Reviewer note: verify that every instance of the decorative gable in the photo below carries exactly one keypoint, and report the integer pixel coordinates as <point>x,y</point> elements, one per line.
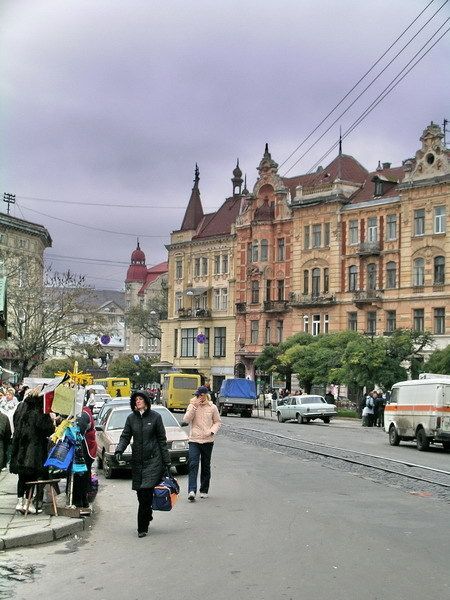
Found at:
<point>432,159</point>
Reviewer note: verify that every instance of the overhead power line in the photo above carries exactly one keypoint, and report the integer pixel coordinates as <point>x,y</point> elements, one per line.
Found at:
<point>106,204</point>
<point>367,87</point>
<point>85,258</point>
<point>336,106</point>
<point>387,90</point>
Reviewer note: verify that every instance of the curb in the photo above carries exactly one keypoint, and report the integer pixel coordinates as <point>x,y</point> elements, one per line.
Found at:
<point>40,535</point>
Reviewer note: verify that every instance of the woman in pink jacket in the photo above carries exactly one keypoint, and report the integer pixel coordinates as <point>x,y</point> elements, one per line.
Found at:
<point>204,420</point>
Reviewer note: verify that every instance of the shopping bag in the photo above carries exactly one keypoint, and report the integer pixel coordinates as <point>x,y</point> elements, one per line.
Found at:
<point>61,455</point>
<point>165,494</point>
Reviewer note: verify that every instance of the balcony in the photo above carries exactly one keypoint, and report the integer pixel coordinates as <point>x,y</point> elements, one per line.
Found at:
<point>241,308</point>
<point>367,297</point>
<point>194,313</point>
<point>305,300</point>
<point>369,248</point>
<point>275,306</point>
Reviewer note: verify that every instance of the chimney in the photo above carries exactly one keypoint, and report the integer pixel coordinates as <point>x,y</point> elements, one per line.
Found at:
<point>386,165</point>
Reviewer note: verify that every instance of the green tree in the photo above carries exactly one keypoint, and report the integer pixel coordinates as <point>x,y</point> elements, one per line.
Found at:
<point>140,373</point>
<point>66,363</point>
<point>406,346</point>
<point>439,362</point>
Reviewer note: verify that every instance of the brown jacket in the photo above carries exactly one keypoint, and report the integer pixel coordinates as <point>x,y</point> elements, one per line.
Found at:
<point>204,421</point>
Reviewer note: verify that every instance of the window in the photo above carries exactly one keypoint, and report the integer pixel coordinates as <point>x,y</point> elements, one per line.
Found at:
<point>279,331</point>
<point>305,281</point>
<point>372,229</point>
<point>281,253</point>
<point>255,251</point>
<point>264,250</point>
<point>315,282</point>
<point>352,321</point>
<point>326,280</point>
<point>418,319</point>
<point>378,188</point>
<point>188,342</point>
<point>249,253</point>
<point>315,325</point>
<point>305,323</point>
<point>419,272</point>
<point>178,301</point>
<point>306,239</point>
<point>326,234</point>
<point>419,221</point>
<point>216,299</point>
<point>353,232</point>
<point>2,268</point>
<point>178,268</point>
<point>197,267</point>
<point>268,290</point>
<point>254,332</point>
<point>224,299</point>
<point>280,289</point>
<point>220,341</point>
<point>326,323</point>
<point>267,334</point>
<point>372,322</point>
<point>255,291</point>
<point>391,320</point>
<point>439,321</point>
<point>391,227</point>
<point>439,219</point>
<point>217,264</point>
<point>224,263</point>
<point>316,236</point>
<point>391,275</point>
<point>206,344</point>
<point>439,270</point>
<point>372,276</point>
<point>353,278</point>
<point>204,266</point>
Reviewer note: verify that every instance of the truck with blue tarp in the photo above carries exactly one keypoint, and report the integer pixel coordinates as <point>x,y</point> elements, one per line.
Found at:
<point>237,396</point>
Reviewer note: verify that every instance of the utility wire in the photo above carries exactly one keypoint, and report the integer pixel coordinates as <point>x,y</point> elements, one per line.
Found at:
<point>358,82</point>
<point>105,204</point>
<point>140,235</point>
<point>387,90</point>
<point>365,89</point>
<point>96,260</point>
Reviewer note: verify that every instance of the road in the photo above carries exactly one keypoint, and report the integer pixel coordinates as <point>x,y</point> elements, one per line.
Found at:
<point>275,527</point>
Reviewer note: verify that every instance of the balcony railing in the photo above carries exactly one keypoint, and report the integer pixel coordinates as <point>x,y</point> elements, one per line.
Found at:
<point>275,305</point>
<point>369,248</point>
<point>304,300</point>
<point>194,313</point>
<point>367,296</point>
<point>241,307</point>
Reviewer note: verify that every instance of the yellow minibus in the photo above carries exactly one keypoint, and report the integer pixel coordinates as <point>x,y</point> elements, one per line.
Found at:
<point>116,387</point>
<point>178,389</point>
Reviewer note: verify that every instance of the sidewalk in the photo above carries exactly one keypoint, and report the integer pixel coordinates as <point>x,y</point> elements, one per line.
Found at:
<point>17,530</point>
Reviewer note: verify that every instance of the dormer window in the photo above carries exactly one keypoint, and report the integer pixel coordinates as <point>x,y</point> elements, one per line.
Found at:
<point>379,188</point>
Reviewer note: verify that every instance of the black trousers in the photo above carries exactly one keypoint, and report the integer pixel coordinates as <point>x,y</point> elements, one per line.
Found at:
<point>200,454</point>
<point>145,512</point>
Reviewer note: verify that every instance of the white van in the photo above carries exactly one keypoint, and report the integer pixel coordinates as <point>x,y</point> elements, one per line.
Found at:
<point>419,409</point>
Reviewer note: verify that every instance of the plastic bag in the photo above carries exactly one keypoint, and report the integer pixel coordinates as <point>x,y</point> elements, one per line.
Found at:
<point>61,455</point>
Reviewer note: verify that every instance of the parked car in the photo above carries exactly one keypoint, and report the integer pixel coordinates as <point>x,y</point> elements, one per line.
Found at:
<point>125,401</point>
<point>305,408</point>
<point>98,400</point>
<point>110,427</point>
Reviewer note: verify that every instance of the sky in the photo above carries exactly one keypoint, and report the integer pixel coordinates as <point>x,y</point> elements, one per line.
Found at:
<point>107,105</point>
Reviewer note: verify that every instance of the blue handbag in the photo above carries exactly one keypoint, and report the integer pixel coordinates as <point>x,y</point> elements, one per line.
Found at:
<point>165,494</point>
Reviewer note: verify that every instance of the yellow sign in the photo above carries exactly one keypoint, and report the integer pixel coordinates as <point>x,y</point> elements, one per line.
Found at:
<point>80,378</point>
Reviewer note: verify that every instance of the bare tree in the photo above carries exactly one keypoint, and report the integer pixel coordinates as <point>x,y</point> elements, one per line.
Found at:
<point>145,319</point>
<point>48,312</point>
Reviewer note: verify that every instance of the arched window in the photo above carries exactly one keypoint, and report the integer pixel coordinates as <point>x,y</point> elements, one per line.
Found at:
<point>372,276</point>
<point>353,278</point>
<point>255,251</point>
<point>439,270</point>
<point>264,250</point>
<point>306,281</point>
<point>326,280</point>
<point>391,274</point>
<point>419,272</point>
<point>315,282</point>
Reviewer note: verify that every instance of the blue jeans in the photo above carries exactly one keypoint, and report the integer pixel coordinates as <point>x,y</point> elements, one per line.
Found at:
<point>200,453</point>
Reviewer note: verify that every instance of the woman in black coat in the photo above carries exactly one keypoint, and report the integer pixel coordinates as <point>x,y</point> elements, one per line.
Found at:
<point>149,456</point>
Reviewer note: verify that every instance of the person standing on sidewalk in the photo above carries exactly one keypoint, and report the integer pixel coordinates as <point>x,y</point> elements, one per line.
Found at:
<point>5,440</point>
<point>204,420</point>
<point>149,455</point>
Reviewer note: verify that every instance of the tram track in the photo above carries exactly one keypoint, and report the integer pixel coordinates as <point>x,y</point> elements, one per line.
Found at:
<point>405,469</point>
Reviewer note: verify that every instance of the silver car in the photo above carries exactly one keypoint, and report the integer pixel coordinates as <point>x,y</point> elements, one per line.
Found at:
<point>305,408</point>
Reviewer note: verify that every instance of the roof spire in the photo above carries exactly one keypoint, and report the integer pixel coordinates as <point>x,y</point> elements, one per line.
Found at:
<point>236,180</point>
<point>196,175</point>
<point>194,211</point>
<point>340,140</point>
<point>245,191</point>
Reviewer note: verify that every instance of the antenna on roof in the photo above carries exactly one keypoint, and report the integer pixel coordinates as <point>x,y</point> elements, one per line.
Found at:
<point>340,140</point>
<point>445,131</point>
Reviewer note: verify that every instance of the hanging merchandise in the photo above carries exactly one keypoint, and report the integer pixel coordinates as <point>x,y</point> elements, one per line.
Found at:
<point>61,455</point>
<point>64,400</point>
<point>60,430</point>
<point>79,464</point>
